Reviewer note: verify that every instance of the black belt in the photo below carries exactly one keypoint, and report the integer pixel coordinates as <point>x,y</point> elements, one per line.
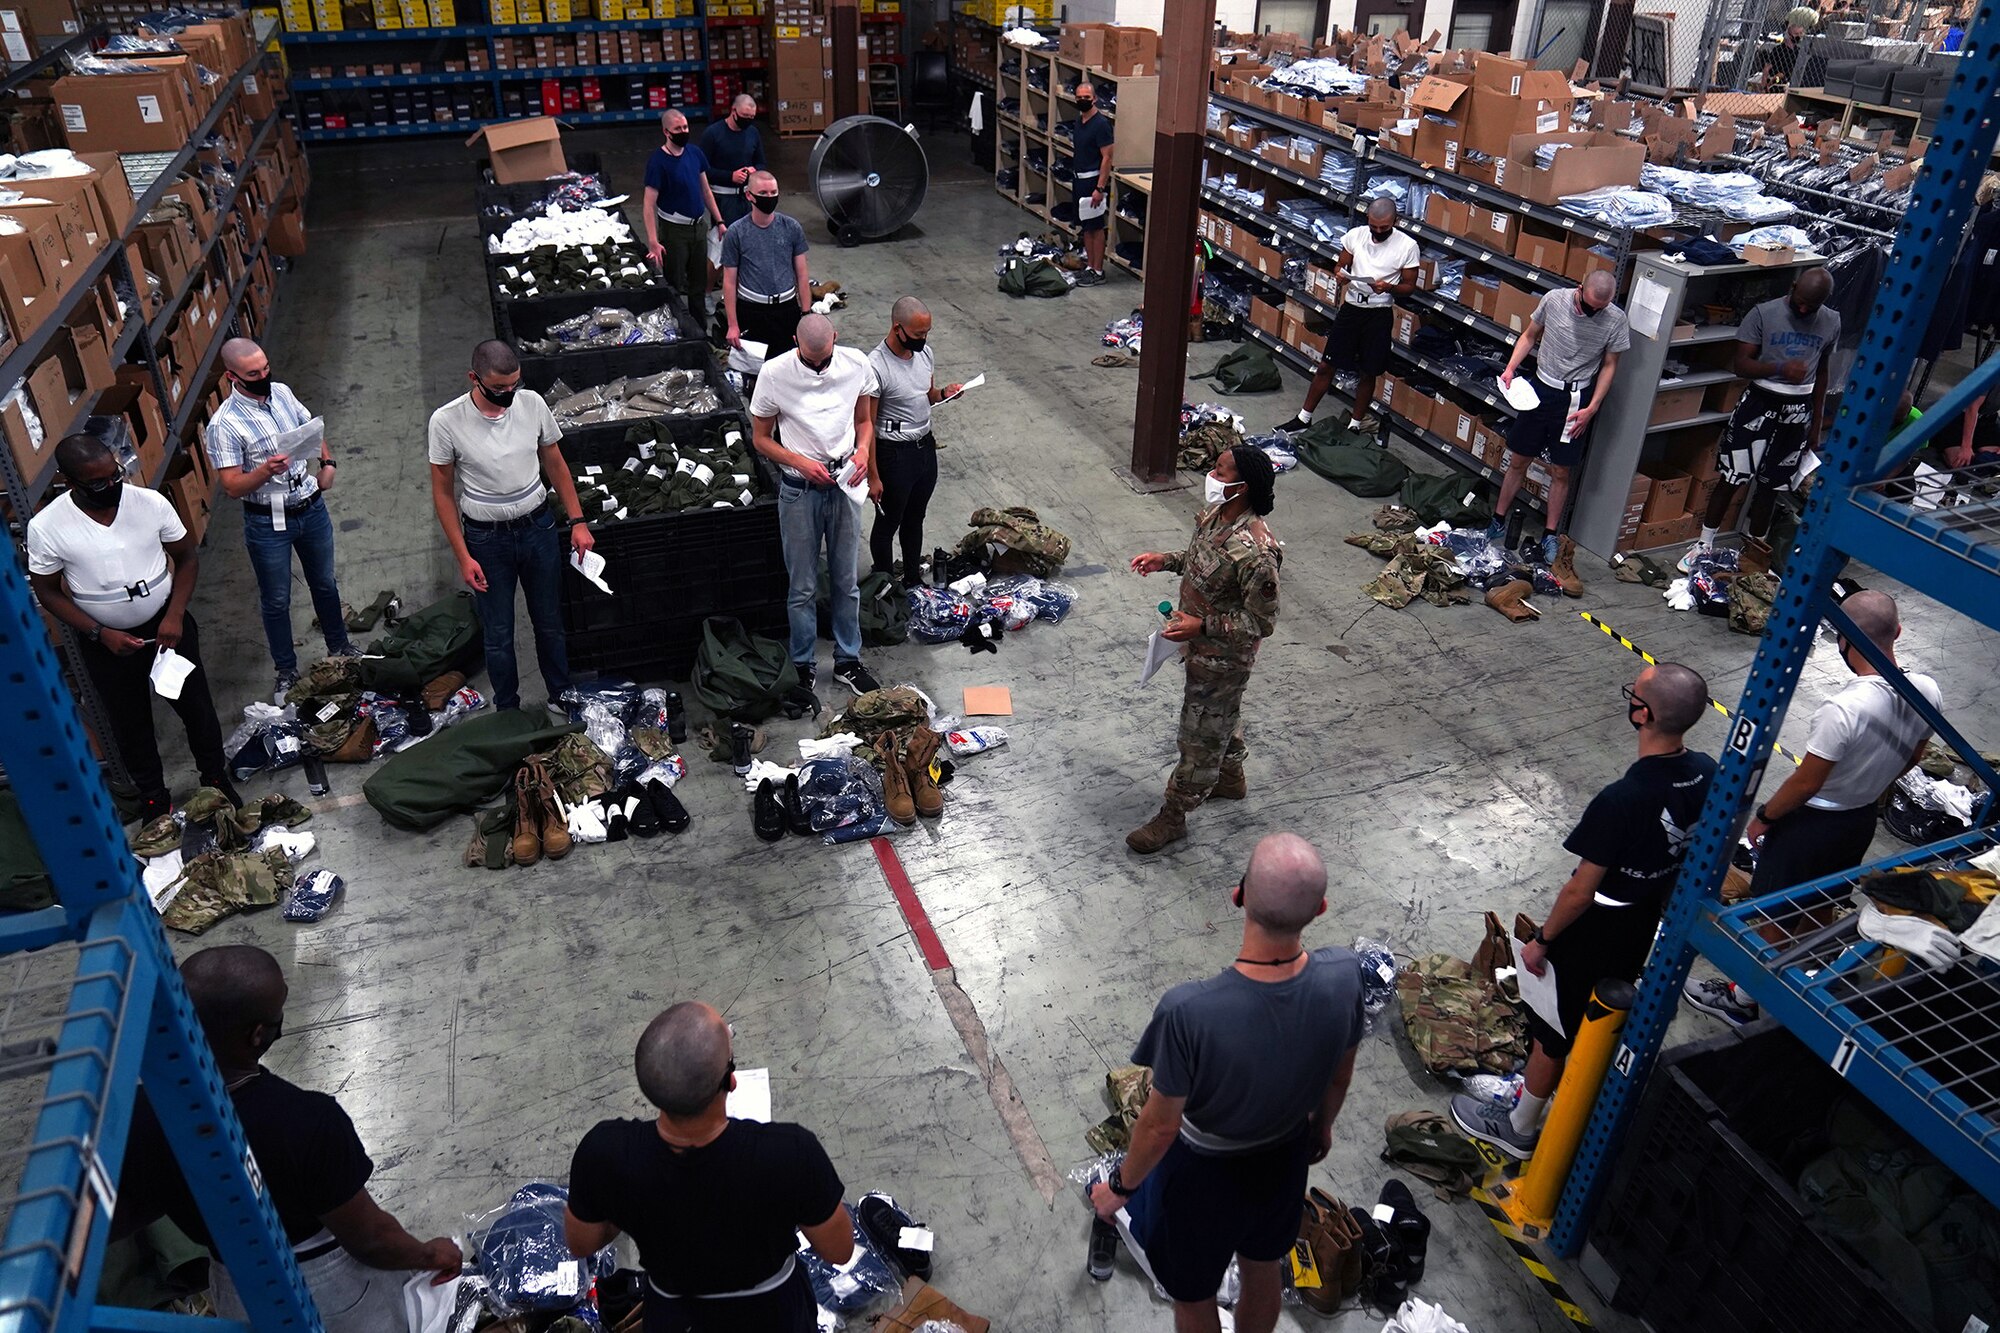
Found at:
<point>805,485</point>
<point>319,1251</point>
<point>291,511</point>
<point>503,524</point>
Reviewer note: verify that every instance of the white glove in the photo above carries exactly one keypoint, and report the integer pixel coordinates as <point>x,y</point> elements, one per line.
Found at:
<point>583,821</point>
<point>296,846</point>
<point>1983,935</point>
<point>760,769</point>
<point>837,746</point>
<point>1926,941</point>
<point>1679,595</point>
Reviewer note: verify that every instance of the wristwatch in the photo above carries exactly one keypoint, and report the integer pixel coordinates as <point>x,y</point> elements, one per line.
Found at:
<point>1116,1182</point>
<point>575,519</point>
<point>1763,815</point>
<point>328,462</point>
<point>97,634</point>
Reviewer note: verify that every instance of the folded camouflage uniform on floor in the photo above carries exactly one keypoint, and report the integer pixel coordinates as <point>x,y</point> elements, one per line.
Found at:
<point>1415,569</point>
<point>1457,1022</point>
<point>219,884</point>
<point>897,710</point>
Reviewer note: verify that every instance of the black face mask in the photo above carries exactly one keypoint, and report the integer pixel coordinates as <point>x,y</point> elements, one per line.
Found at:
<point>1382,235</point>
<point>679,137</point>
<point>766,204</point>
<point>99,495</point>
<point>911,343</point>
<point>816,367</point>
<point>1085,103</point>
<point>257,388</point>
<point>1587,310</point>
<point>500,397</point>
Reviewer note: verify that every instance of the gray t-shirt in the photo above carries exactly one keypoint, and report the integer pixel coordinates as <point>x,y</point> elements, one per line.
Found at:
<point>1779,335</point>
<point>903,408</point>
<point>762,256</point>
<point>1573,346</point>
<point>1869,732</point>
<point>1253,1058</point>
<point>499,462</point>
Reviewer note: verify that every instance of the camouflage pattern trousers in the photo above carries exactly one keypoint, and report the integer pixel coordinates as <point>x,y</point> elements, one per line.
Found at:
<point>1211,734</point>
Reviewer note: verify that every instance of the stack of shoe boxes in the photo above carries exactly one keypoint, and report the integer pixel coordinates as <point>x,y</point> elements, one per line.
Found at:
<point>801,60</point>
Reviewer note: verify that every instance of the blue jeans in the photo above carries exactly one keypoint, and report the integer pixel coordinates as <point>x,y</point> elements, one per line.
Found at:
<point>806,518</point>
<point>311,535</point>
<point>530,556</point>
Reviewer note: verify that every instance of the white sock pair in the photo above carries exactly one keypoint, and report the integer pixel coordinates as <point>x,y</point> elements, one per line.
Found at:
<point>1527,1114</point>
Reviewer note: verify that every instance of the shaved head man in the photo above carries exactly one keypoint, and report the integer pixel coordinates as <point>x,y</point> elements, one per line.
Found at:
<point>906,455</point>
<point>735,152</point>
<point>1783,347</point>
<point>679,206</point>
<point>1091,150</point>
<point>1375,264</point>
<point>766,282</point>
<point>355,1257</point>
<point>1628,847</point>
<point>1250,1068</point>
<point>1577,337</point>
<point>712,1203</point>
<point>281,473</point>
<point>1822,817</point>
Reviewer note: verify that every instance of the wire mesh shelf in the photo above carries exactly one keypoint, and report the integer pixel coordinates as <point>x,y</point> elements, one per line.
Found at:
<point>57,1007</point>
<point>1955,511</point>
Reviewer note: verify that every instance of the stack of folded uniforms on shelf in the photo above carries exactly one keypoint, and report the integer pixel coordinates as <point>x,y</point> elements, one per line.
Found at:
<point>718,472</point>
<point>1232,189</point>
<point>1315,79</point>
<point>1734,194</point>
<point>669,393</point>
<point>1336,170</point>
<point>1621,206</point>
<point>1313,216</point>
<point>1451,276</point>
<point>1395,188</point>
<point>1772,237</point>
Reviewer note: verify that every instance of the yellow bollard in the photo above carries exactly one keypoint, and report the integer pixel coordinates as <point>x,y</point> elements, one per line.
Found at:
<point>1530,1202</point>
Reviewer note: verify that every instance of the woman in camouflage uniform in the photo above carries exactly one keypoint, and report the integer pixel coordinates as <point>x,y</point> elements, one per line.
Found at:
<point>1228,603</point>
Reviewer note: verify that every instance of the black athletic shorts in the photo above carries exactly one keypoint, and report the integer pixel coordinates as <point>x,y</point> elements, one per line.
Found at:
<point>1765,437</point>
<point>1359,339</point>
<point>1809,843</point>
<point>1537,433</point>
<point>1193,1211</point>
<point>1604,943</point>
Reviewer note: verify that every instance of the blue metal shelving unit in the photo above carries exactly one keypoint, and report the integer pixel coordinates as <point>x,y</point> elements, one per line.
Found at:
<point>1916,1042</point>
<point>91,1003</point>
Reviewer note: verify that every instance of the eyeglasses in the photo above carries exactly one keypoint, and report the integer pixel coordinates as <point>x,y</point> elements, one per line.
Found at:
<point>727,1074</point>
<point>1632,697</point>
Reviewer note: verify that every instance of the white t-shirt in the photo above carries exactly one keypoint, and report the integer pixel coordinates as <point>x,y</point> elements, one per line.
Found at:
<point>499,462</point>
<point>1370,259</point>
<point>103,565</point>
<point>1869,732</point>
<point>815,410</point>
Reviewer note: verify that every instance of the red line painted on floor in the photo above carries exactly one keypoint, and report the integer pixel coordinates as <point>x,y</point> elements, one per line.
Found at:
<point>913,907</point>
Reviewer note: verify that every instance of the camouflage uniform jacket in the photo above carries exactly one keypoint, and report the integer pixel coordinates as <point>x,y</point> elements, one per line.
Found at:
<point>1229,577</point>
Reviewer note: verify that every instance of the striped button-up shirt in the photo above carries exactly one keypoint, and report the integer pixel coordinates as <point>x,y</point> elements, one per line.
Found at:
<point>240,435</point>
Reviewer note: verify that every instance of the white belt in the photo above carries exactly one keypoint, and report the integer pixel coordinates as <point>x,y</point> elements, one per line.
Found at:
<point>1784,388</point>
<point>767,1285</point>
<point>665,216</point>
<point>521,496</point>
<point>726,189</point>
<point>159,581</point>
<point>756,298</point>
<point>1567,386</point>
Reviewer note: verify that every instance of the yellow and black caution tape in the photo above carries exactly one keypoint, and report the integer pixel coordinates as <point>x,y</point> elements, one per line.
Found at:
<point>1531,1261</point>
<point>1650,660</point>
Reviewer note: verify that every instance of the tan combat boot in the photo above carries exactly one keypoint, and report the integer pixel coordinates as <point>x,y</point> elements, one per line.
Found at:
<point>1168,826</point>
<point>1345,1236</point>
<point>896,796</point>
<point>1316,1237</point>
<point>1230,784</point>
<point>526,848</point>
<point>555,829</point>
<point>1565,568</point>
<point>1511,600</point>
<point>917,756</point>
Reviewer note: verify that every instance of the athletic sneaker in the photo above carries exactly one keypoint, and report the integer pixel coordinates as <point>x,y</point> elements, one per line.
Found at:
<point>855,677</point>
<point>1492,1124</point>
<point>808,675</point>
<point>1498,1089</point>
<point>1367,423</point>
<point>1088,277</point>
<point>283,685</point>
<point>1496,534</point>
<point>1303,421</point>
<point>1696,553</point>
<point>1713,995</point>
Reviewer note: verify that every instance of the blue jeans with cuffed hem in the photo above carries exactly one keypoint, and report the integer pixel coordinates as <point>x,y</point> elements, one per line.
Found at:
<point>530,558</point>
<point>311,535</point>
<point>808,519</point>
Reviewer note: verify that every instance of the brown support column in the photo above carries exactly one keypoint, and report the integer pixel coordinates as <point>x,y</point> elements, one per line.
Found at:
<point>1170,218</point>
<point>844,25</point>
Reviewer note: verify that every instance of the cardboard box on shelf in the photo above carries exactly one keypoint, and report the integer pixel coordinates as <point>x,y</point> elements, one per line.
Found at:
<point>35,269</point>
<point>1666,493</point>
<point>1440,107</point>
<point>1321,284</point>
<point>1515,307</point>
<point>1266,316</point>
<point>1359,113</point>
<point>1480,293</point>
<point>1542,246</point>
<point>153,111</point>
<point>1219,232</point>
<point>1674,405</point>
<point>1580,261</point>
<point>1700,490</point>
<point>1453,216</point>
<point>1306,156</point>
<point>1492,227</point>
<point>1131,52</point>
<point>1084,42</point>
<point>30,27</point>
<point>1589,161</point>
<point>1724,397</point>
<point>1496,115</point>
<point>1405,325</point>
<point>1769,256</point>
<point>522,150</point>
<point>1407,403</point>
<point>1455,422</point>
<point>803,115</point>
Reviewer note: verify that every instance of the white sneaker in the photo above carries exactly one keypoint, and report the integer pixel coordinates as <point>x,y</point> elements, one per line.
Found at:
<point>1696,553</point>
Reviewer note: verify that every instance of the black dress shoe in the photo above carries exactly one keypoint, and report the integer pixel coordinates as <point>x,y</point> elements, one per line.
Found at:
<point>795,816</point>
<point>644,818</point>
<point>767,813</point>
<point>1411,1227</point>
<point>672,814</point>
<point>882,1221</point>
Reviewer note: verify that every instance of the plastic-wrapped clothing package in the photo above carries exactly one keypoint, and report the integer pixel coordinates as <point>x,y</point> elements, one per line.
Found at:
<point>837,792</point>
<point>938,615</point>
<point>853,1286</point>
<point>313,895</point>
<point>1378,976</point>
<point>524,1258</point>
<point>1621,206</point>
<point>606,326</point>
<point>277,746</point>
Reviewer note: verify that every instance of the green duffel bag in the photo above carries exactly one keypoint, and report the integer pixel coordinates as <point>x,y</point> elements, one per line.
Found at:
<point>444,636</point>
<point>460,768</point>
<point>1443,499</point>
<point>1021,276</point>
<point>1351,460</point>
<point>739,675</point>
<point>1247,369</point>
<point>885,610</point>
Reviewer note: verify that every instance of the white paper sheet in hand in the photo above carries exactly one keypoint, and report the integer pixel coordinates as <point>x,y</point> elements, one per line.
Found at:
<point>750,1099</point>
<point>747,357</point>
<point>1539,994</point>
<point>715,247</point>
<point>591,565</point>
<point>964,388</point>
<point>853,481</point>
<point>170,672</point>
<point>428,1307</point>
<point>1160,650</point>
<point>1085,210</point>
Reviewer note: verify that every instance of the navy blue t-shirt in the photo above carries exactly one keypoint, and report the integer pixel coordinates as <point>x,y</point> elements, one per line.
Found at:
<point>1092,137</point>
<point>678,179</point>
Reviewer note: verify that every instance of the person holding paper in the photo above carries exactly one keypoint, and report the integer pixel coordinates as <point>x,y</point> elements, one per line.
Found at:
<point>253,441</point>
<point>1091,145</point>
<point>766,284</point>
<point>354,1256</point>
<point>714,1204</point>
<point>1577,336</point>
<point>1376,264</point>
<point>823,398</point>
<point>1229,604</point>
<point>115,563</point>
<point>1630,842</point>
<point>903,467</point>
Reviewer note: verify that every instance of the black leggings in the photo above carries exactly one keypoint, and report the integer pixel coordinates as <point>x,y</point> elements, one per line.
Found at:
<point>909,475</point>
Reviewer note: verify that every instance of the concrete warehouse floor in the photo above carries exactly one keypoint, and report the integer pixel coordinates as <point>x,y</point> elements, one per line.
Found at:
<point>475,1024</point>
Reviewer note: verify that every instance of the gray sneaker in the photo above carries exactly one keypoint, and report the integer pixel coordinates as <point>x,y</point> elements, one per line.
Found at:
<point>1489,1122</point>
<point>1714,995</point>
<point>283,685</point>
<point>1088,277</point>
